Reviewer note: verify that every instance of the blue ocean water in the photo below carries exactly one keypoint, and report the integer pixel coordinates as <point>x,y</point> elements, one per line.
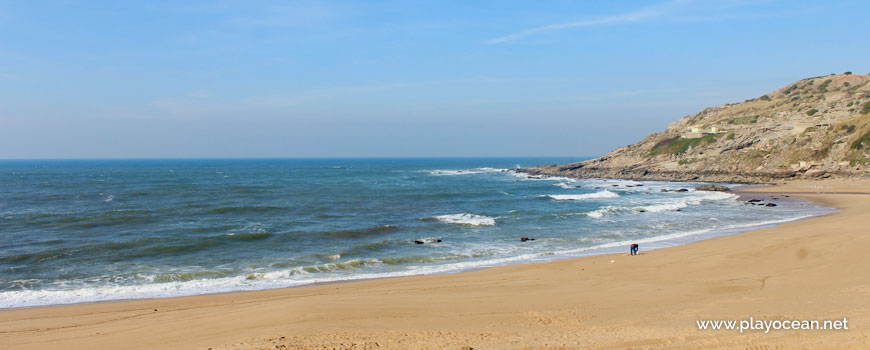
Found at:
<point>83,231</point>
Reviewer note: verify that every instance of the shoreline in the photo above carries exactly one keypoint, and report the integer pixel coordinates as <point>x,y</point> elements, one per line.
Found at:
<point>513,305</point>
<point>651,243</point>
<point>592,251</point>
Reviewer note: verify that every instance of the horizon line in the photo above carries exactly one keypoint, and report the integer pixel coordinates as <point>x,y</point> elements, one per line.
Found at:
<point>291,158</point>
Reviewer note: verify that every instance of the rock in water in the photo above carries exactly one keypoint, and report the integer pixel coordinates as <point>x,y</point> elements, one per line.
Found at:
<point>712,188</point>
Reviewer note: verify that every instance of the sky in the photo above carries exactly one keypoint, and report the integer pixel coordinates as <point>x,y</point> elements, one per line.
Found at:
<point>231,79</point>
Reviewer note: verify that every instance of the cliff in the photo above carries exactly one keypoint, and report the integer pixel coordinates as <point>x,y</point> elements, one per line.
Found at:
<point>814,128</point>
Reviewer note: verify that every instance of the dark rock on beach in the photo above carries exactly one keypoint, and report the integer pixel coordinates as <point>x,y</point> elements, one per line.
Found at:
<point>712,188</point>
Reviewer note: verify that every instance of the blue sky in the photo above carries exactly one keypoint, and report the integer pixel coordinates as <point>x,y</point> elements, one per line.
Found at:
<point>126,79</point>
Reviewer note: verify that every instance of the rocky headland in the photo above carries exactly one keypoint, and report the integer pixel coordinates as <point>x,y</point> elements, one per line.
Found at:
<point>814,128</point>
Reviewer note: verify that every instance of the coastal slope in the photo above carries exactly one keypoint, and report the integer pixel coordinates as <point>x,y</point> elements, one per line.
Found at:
<point>814,128</point>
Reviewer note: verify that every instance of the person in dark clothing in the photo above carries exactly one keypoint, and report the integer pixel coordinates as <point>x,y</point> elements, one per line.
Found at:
<point>634,249</point>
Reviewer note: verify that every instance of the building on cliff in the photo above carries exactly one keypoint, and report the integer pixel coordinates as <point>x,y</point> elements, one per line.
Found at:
<point>696,132</point>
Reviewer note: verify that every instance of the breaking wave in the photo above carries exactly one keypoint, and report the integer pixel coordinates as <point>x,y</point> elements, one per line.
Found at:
<point>696,199</point>
<point>467,219</point>
<point>453,172</point>
<point>565,185</point>
<point>580,197</point>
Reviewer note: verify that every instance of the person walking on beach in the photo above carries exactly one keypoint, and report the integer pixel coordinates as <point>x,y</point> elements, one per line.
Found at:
<point>634,249</point>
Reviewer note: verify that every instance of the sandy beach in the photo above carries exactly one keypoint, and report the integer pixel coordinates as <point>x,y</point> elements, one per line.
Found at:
<point>813,269</point>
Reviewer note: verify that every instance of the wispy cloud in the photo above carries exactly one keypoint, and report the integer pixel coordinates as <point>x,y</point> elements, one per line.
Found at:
<point>677,10</point>
<point>621,18</point>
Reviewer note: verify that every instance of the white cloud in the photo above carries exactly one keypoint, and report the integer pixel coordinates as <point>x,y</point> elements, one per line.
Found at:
<point>622,18</point>
<point>679,10</point>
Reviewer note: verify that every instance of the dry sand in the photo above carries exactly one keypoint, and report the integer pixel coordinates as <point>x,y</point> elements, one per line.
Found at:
<point>812,269</point>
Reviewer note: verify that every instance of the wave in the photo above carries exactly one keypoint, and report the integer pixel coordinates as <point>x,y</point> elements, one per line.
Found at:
<point>453,172</point>
<point>493,170</point>
<point>467,219</point>
<point>186,276</point>
<point>194,283</point>
<point>244,237</point>
<point>696,198</point>
<point>713,195</point>
<point>565,185</point>
<point>578,197</point>
<point>655,208</point>
<point>328,267</point>
<point>726,230</point>
<point>525,176</point>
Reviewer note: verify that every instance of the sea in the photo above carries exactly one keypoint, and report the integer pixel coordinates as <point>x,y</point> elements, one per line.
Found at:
<point>78,231</point>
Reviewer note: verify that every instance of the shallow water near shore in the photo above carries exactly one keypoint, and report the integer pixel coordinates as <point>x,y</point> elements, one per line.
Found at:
<point>85,231</point>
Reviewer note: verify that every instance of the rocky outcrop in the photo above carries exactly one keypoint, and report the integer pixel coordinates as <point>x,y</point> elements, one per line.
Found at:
<point>712,188</point>
<point>815,128</point>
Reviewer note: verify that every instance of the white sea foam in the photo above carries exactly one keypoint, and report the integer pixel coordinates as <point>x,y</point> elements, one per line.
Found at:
<point>578,197</point>
<point>599,213</point>
<point>333,269</point>
<point>525,176</point>
<point>275,279</point>
<point>654,208</point>
<point>467,219</point>
<point>679,237</point>
<point>713,195</point>
<point>657,208</point>
<point>565,185</point>
<point>493,170</point>
<point>453,172</point>
<point>307,275</point>
<point>694,198</point>
<point>612,182</point>
<point>298,276</point>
